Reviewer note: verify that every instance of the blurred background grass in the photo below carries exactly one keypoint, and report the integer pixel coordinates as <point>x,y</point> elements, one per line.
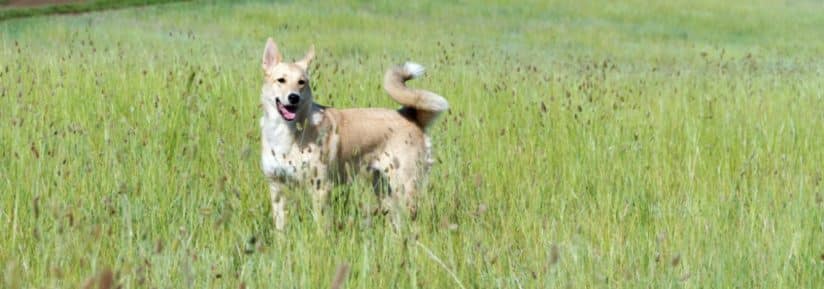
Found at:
<point>37,8</point>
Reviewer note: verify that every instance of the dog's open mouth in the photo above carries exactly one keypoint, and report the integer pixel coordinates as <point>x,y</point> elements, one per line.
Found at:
<point>288,112</point>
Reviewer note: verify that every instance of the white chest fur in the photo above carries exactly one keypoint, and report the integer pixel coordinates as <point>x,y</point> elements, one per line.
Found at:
<point>285,157</point>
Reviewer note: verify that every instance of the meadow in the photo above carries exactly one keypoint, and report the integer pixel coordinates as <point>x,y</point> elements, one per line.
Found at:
<point>606,144</point>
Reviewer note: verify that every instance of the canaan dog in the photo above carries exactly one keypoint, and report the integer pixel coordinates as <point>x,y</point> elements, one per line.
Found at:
<point>304,143</point>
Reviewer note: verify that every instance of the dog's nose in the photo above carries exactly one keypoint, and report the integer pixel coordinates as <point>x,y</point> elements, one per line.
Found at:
<point>294,98</point>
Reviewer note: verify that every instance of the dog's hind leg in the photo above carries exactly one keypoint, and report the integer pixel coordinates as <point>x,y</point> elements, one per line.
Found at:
<point>382,171</point>
<point>400,202</point>
<point>403,196</point>
<point>383,191</point>
<point>278,205</point>
<point>399,177</point>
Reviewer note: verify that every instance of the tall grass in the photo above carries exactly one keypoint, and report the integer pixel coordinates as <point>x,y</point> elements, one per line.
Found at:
<point>609,145</point>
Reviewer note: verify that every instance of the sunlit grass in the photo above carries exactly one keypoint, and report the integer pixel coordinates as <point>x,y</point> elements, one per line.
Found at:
<point>612,145</point>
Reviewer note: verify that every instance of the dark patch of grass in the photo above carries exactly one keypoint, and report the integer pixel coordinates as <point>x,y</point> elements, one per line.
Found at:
<point>19,12</point>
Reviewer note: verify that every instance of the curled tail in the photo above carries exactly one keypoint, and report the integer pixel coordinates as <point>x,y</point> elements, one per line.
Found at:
<point>423,105</point>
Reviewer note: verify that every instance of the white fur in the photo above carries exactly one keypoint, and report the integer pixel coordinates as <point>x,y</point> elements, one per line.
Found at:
<point>277,142</point>
<point>414,69</point>
<point>317,117</point>
<point>282,156</point>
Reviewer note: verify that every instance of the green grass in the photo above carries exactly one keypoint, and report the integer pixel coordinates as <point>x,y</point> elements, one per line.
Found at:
<point>80,7</point>
<point>597,145</point>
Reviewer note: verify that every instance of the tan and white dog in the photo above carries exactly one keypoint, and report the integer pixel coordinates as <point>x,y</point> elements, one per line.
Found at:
<point>315,146</point>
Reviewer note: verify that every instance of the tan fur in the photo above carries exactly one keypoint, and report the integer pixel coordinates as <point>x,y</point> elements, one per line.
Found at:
<point>322,146</point>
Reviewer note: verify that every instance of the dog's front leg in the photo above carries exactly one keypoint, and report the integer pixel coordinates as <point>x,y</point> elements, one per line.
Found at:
<point>278,205</point>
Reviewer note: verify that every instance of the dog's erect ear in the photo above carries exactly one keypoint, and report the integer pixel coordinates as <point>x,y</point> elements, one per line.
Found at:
<point>271,55</point>
<point>304,63</point>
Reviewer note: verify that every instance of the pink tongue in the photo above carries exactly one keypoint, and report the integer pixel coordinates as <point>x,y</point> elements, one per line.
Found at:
<point>285,113</point>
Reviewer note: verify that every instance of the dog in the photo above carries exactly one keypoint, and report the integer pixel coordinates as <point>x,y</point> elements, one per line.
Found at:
<point>304,143</point>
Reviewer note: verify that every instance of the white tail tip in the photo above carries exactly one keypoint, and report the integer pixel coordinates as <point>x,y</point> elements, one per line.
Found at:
<point>415,70</point>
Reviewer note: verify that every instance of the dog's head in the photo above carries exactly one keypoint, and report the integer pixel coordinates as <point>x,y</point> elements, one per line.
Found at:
<point>286,85</point>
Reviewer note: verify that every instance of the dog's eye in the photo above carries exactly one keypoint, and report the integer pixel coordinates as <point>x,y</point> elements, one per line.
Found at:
<point>301,82</point>
<point>281,80</point>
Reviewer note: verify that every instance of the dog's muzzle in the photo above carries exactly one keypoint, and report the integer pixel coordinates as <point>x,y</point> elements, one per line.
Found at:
<point>288,112</point>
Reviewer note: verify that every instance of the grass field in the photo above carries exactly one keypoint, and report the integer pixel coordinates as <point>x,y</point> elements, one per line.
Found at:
<point>589,145</point>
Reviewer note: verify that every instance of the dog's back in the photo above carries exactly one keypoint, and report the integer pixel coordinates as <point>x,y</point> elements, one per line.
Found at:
<point>363,131</point>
